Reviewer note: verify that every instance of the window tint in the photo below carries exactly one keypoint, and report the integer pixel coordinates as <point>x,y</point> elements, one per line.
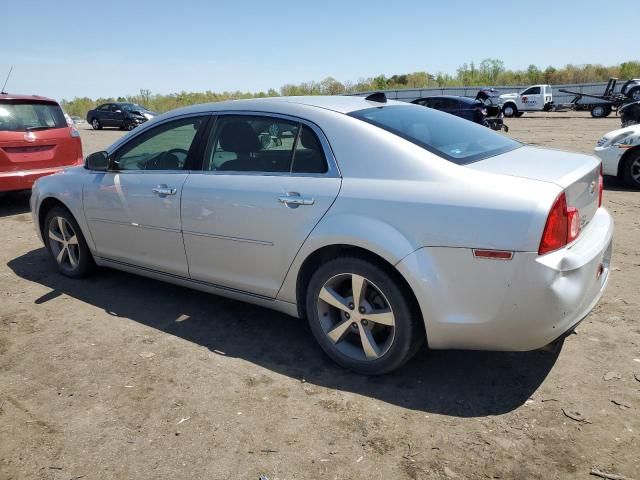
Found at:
<point>448,136</point>
<point>532,91</point>
<point>19,116</point>
<point>251,144</point>
<point>165,147</point>
<point>308,156</point>
<point>450,103</point>
<point>105,107</point>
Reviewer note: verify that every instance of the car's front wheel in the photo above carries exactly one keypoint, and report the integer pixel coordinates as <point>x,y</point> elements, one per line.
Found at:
<point>631,169</point>
<point>95,123</point>
<point>509,110</point>
<point>362,317</point>
<point>66,243</point>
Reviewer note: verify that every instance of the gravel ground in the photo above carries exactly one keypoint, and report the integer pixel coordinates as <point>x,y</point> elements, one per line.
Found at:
<point>118,376</point>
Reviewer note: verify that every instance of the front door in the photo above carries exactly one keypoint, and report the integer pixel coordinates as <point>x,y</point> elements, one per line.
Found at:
<point>133,210</point>
<point>531,99</point>
<point>266,182</point>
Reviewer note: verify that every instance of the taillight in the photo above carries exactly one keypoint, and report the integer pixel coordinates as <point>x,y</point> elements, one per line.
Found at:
<point>562,227</point>
<point>556,228</point>
<point>573,219</point>
<point>74,132</point>
<point>600,186</point>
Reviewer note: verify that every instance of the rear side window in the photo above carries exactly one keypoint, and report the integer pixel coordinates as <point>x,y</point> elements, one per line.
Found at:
<point>308,156</point>
<point>20,116</point>
<point>452,138</point>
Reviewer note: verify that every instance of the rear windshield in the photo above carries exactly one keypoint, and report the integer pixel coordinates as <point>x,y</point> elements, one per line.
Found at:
<point>452,138</point>
<point>20,116</point>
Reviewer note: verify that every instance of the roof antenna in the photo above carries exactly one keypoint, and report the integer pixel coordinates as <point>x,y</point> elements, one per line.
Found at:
<point>379,97</point>
<point>6,80</point>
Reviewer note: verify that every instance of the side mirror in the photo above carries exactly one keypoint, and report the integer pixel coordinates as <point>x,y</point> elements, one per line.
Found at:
<point>98,161</point>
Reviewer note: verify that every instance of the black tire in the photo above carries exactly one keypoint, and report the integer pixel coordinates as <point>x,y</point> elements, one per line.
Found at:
<point>631,169</point>
<point>600,111</point>
<point>519,114</point>
<point>95,123</point>
<point>405,337</point>
<point>509,110</point>
<point>634,94</point>
<point>79,251</point>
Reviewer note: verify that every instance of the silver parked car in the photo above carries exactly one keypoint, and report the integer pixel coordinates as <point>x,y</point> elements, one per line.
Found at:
<point>383,223</point>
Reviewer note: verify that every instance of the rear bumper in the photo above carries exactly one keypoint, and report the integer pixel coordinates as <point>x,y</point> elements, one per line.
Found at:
<point>520,304</point>
<point>24,179</point>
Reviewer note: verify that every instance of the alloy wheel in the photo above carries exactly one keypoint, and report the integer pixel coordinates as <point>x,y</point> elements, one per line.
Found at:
<point>95,124</point>
<point>64,243</point>
<point>634,169</point>
<point>356,317</point>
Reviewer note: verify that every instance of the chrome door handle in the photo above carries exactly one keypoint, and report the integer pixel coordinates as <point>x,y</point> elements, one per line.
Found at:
<point>294,199</point>
<point>163,190</point>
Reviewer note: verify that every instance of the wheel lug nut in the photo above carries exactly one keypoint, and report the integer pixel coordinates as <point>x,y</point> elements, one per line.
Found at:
<point>361,309</point>
<point>365,322</point>
<point>351,306</point>
<point>347,315</point>
<point>353,325</point>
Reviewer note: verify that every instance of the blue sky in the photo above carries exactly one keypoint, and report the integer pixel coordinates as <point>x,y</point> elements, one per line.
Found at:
<point>67,48</point>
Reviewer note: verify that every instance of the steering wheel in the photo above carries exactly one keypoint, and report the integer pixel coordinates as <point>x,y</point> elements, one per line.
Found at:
<point>179,153</point>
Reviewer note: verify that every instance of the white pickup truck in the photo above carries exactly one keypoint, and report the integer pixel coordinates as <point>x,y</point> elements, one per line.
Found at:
<point>536,98</point>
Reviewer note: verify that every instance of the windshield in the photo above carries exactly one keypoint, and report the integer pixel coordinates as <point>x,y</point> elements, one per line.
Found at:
<point>133,107</point>
<point>452,138</point>
<point>20,116</point>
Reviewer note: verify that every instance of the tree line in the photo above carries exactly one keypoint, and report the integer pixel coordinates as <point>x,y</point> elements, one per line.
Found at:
<point>489,72</point>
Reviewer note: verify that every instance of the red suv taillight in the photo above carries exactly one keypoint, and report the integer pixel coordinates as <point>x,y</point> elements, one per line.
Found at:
<point>562,227</point>
<point>600,186</point>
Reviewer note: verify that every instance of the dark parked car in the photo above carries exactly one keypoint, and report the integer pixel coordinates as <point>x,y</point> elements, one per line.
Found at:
<point>631,89</point>
<point>471,109</point>
<point>122,115</point>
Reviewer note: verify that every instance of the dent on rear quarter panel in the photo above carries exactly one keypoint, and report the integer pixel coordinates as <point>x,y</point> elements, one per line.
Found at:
<point>347,229</point>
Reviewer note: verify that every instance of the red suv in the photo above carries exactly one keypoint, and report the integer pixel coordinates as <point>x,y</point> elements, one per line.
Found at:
<point>35,140</point>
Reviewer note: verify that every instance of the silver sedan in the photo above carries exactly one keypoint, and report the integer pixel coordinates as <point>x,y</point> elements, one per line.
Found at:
<point>384,224</point>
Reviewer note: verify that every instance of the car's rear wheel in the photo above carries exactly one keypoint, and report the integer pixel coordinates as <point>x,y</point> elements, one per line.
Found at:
<point>600,111</point>
<point>66,244</point>
<point>509,110</point>
<point>361,317</point>
<point>95,123</point>
<point>631,170</point>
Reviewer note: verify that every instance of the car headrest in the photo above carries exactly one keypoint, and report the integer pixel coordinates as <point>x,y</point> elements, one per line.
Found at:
<point>238,136</point>
<point>309,140</point>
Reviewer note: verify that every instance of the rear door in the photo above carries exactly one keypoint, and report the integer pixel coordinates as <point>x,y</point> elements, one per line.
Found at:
<point>266,182</point>
<point>133,210</point>
<point>35,135</point>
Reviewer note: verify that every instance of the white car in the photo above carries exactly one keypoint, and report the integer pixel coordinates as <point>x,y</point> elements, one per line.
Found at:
<point>385,224</point>
<point>620,154</point>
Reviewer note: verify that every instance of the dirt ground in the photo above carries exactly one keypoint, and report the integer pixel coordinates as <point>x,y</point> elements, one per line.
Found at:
<point>122,377</point>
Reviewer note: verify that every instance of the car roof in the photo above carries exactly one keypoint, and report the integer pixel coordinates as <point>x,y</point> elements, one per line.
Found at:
<point>336,103</point>
<point>453,97</point>
<point>34,98</point>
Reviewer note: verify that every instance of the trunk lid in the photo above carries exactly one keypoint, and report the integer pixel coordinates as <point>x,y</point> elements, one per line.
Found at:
<point>38,149</point>
<point>576,173</point>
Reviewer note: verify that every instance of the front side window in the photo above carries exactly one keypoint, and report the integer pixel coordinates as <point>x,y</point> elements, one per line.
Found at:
<point>105,108</point>
<point>532,91</point>
<point>165,147</point>
<point>20,116</point>
<point>447,136</point>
